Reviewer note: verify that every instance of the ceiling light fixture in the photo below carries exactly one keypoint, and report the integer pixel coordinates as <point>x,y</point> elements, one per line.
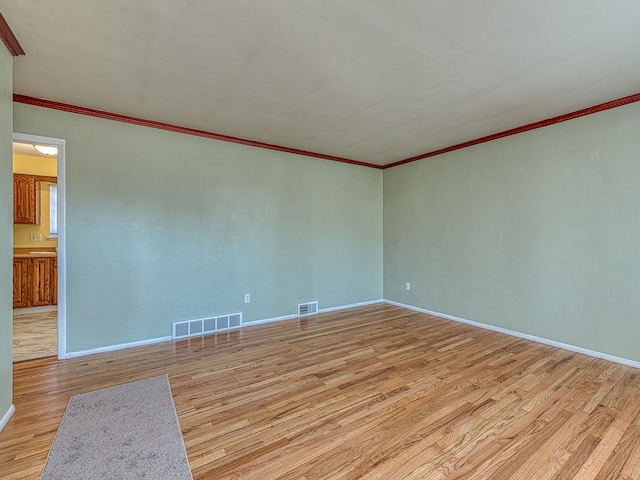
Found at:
<point>47,149</point>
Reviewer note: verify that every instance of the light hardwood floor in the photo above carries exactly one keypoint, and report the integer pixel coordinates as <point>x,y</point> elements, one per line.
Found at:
<point>35,335</point>
<point>376,392</point>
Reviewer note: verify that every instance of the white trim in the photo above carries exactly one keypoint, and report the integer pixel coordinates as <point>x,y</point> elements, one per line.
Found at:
<point>352,305</point>
<point>121,346</point>
<point>323,310</point>
<point>244,324</point>
<point>269,320</point>
<point>62,236</point>
<point>7,416</point>
<point>526,336</point>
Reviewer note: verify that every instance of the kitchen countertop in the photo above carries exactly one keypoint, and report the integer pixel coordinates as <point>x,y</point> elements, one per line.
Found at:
<point>25,252</point>
<point>35,255</point>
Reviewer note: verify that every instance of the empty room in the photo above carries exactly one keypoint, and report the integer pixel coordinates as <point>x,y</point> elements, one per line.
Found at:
<point>319,239</point>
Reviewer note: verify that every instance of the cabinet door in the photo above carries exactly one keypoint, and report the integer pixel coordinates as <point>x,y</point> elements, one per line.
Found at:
<point>54,281</point>
<point>25,199</point>
<point>21,297</point>
<point>42,281</point>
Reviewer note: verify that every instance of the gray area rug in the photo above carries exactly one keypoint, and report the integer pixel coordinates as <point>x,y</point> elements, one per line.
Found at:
<point>129,431</point>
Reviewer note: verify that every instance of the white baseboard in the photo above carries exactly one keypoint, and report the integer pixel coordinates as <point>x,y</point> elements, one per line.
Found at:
<point>526,336</point>
<point>244,324</point>
<point>321,310</point>
<point>116,347</point>
<point>269,320</point>
<point>352,305</point>
<point>7,416</point>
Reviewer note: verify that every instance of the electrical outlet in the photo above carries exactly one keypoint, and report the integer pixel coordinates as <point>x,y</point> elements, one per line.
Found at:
<point>36,237</point>
<point>407,286</point>
<point>247,298</point>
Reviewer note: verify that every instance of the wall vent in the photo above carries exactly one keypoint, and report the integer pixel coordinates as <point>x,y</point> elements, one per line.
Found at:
<point>307,308</point>
<point>191,328</point>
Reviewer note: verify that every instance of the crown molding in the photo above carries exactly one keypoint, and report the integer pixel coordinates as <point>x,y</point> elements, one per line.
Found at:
<point>9,39</point>
<point>65,107</point>
<point>252,143</point>
<point>524,128</point>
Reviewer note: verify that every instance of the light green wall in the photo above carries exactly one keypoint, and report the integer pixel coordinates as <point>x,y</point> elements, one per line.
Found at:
<point>6,228</point>
<point>538,232</point>
<point>164,227</point>
<point>535,233</point>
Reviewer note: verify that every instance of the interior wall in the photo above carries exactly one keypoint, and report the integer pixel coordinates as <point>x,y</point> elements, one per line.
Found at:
<point>32,165</point>
<point>6,231</point>
<point>163,227</point>
<point>536,232</point>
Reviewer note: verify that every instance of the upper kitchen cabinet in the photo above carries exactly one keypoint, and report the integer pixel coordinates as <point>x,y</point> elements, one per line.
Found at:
<point>25,199</point>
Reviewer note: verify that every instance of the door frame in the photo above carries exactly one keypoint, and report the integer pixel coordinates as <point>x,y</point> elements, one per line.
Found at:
<point>62,243</point>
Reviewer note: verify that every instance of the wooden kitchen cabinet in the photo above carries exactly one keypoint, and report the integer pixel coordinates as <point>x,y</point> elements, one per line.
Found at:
<point>35,281</point>
<point>25,199</point>
<point>42,281</point>
<point>21,283</point>
<point>54,281</point>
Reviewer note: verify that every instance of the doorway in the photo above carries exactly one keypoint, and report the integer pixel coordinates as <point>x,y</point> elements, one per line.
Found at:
<point>39,300</point>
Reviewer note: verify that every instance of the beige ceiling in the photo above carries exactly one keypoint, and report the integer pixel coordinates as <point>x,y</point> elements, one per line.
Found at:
<point>369,80</point>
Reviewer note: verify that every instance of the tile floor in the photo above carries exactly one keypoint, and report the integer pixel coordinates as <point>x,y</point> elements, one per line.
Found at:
<point>35,335</point>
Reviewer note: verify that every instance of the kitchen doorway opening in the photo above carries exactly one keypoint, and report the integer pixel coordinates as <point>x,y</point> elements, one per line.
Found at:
<point>39,260</point>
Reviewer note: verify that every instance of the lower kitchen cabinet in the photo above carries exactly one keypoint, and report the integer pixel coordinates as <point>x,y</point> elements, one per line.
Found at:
<point>35,281</point>
<point>21,288</point>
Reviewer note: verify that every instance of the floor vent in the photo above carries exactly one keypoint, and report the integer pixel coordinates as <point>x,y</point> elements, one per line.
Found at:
<point>190,328</point>
<point>307,308</point>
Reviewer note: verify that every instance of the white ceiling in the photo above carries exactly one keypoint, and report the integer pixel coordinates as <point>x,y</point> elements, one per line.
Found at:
<point>29,149</point>
<point>370,80</point>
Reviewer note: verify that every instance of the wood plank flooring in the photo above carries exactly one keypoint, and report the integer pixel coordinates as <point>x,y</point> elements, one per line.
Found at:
<point>376,392</point>
<point>35,335</point>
